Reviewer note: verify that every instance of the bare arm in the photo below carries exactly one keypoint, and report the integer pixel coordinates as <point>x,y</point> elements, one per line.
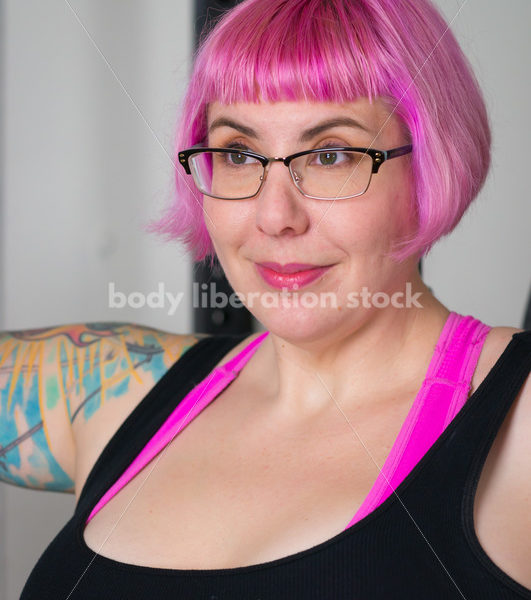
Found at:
<point>55,383</point>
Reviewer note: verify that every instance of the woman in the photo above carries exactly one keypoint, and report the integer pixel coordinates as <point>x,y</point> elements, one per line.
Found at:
<point>359,448</point>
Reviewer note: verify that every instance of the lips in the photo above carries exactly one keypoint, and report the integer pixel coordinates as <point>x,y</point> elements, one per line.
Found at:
<point>289,268</point>
<point>291,276</point>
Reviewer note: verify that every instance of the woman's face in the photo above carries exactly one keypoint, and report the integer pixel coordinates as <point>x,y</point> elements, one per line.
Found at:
<point>281,225</point>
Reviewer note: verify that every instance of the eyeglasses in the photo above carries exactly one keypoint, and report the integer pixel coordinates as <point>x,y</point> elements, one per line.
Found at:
<point>323,173</point>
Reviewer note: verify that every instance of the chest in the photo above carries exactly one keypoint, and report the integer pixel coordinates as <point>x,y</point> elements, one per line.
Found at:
<point>236,488</point>
<point>233,490</point>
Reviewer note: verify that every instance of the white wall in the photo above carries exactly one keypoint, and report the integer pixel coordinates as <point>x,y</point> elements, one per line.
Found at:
<point>83,171</point>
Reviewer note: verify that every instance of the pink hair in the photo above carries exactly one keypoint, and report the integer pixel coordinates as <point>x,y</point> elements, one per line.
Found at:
<point>338,50</point>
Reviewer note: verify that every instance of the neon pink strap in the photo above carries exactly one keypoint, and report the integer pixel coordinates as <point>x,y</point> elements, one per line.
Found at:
<point>441,396</point>
<point>189,407</point>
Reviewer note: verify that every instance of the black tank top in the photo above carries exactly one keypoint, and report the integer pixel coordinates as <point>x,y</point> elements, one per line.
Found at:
<point>422,546</point>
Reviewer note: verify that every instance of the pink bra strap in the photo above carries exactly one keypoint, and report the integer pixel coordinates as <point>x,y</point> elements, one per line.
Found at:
<point>187,409</point>
<point>457,360</point>
<point>443,392</point>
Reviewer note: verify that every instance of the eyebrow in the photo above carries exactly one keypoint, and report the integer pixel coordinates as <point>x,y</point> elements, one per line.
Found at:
<point>305,136</point>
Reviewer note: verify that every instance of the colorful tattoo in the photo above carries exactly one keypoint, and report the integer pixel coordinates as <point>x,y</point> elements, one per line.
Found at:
<point>54,376</point>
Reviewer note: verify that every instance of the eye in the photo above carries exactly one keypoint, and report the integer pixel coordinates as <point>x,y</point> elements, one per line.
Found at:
<point>329,159</point>
<point>237,158</point>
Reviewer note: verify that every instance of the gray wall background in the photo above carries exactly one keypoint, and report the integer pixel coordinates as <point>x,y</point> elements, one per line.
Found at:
<point>82,170</point>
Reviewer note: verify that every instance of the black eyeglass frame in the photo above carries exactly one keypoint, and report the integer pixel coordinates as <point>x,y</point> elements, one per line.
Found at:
<point>378,158</point>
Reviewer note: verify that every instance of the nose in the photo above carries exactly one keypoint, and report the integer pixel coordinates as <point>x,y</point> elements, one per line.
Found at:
<point>280,207</point>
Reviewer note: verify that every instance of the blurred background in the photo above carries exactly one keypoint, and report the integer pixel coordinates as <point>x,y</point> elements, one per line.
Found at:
<point>90,92</point>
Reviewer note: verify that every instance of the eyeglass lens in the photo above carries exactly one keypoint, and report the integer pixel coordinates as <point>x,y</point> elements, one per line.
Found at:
<point>338,174</point>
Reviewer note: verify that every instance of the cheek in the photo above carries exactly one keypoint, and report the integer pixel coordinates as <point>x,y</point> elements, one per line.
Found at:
<point>401,191</point>
<point>370,228</point>
<point>392,216</point>
<point>359,230</point>
<point>226,222</point>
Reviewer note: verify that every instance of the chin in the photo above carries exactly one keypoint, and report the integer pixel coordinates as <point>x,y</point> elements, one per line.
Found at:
<point>298,324</point>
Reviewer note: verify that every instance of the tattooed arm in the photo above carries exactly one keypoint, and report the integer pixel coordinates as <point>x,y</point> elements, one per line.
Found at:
<point>55,383</point>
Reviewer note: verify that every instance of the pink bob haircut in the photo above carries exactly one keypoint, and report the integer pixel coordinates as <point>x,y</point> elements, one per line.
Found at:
<point>401,51</point>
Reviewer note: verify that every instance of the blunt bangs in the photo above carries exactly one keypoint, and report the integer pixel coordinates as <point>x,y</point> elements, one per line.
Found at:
<point>400,51</point>
<point>297,54</point>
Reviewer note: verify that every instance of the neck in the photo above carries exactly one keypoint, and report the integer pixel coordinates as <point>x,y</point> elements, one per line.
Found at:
<point>381,354</point>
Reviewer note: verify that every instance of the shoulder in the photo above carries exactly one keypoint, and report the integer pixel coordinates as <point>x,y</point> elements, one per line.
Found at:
<point>496,341</point>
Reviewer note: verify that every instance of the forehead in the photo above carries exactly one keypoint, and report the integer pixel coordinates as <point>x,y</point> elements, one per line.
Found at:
<point>288,116</point>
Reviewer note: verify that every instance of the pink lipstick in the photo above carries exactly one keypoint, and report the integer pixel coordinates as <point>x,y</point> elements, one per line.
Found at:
<point>290,276</point>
